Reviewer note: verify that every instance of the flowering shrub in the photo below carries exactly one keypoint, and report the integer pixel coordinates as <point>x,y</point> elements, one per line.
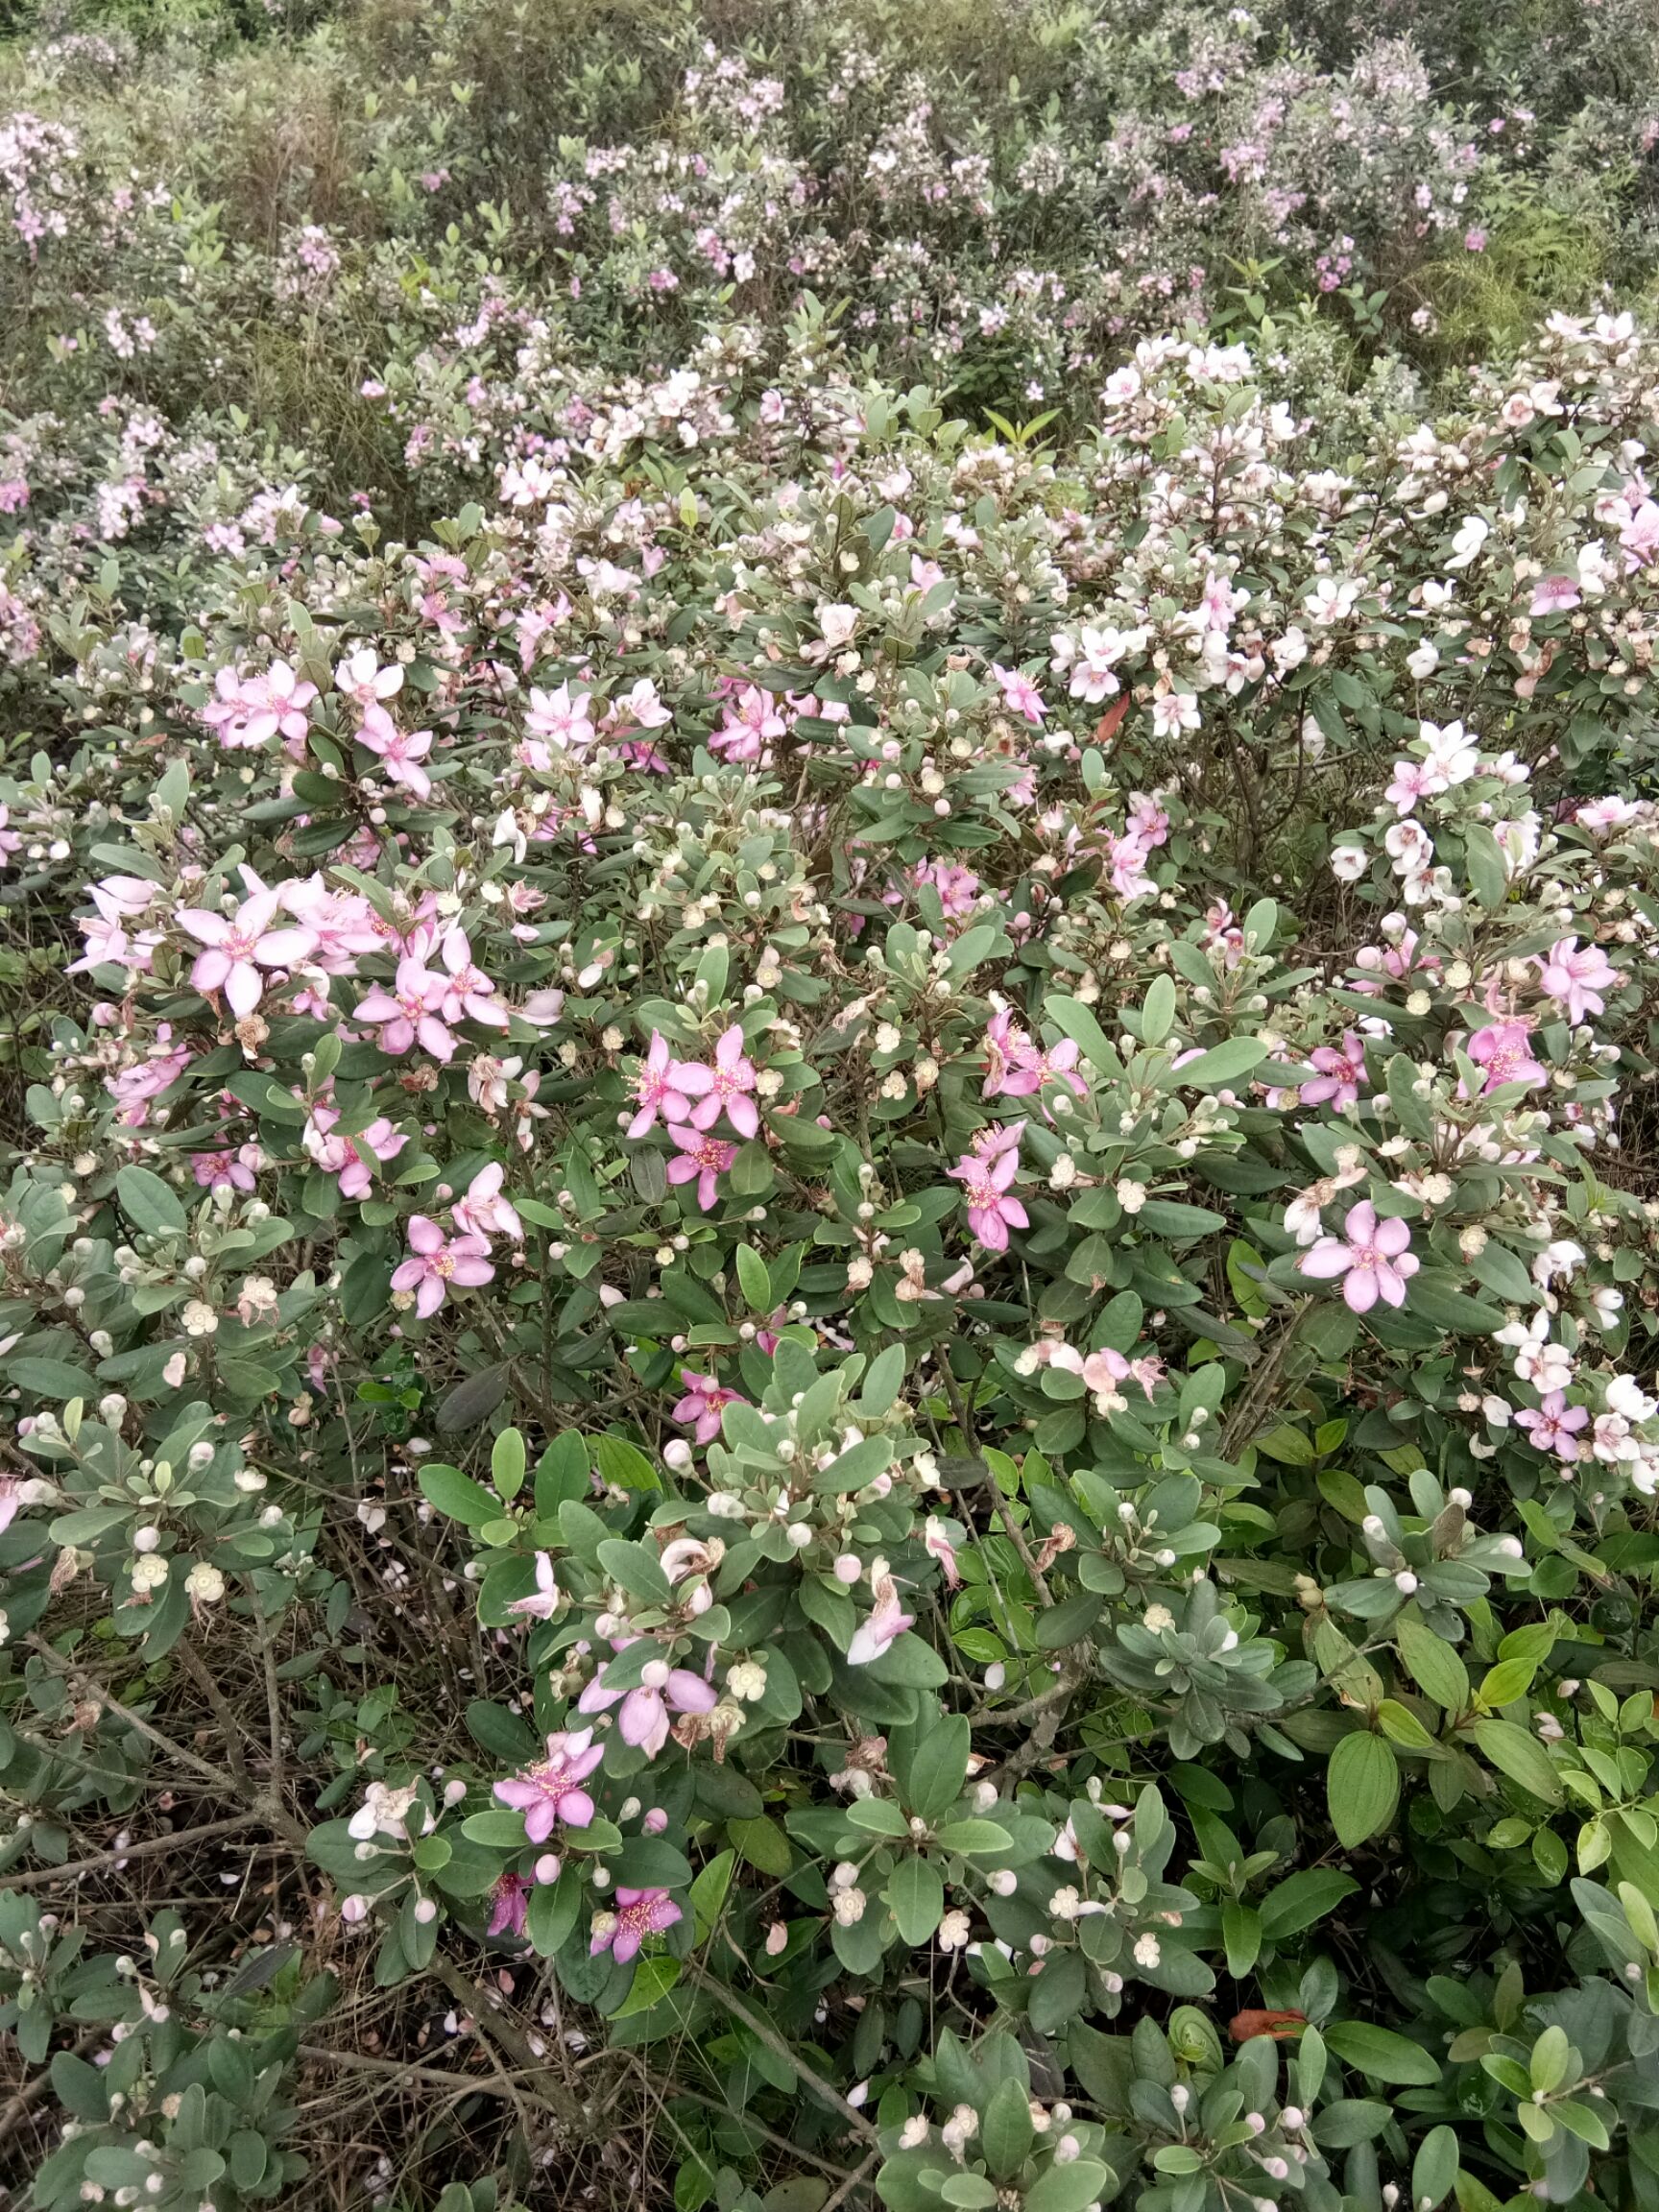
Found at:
<point>828,1284</point>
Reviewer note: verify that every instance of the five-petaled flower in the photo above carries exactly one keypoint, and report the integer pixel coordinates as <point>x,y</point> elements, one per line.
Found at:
<point>551,1792</point>
<point>638,1913</point>
<point>702,1160</point>
<point>1373,1257</point>
<point>434,1261</point>
<point>643,1719</point>
<point>236,947</point>
<point>985,1174</point>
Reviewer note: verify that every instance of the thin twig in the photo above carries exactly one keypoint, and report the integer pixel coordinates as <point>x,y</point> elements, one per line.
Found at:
<point>42,1877</point>
<point>766,2033</point>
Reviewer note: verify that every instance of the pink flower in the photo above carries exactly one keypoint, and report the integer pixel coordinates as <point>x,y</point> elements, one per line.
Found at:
<point>510,1906</point>
<point>985,1174</point>
<point>1555,594</point>
<point>731,1083</point>
<point>1020,694</point>
<point>344,1156</point>
<point>700,1407</point>
<point>1552,1426</point>
<point>701,1159</point>
<point>228,1170</point>
<point>638,1913</point>
<point>1504,1049</point>
<point>249,711</point>
<point>1376,1258</point>
<point>557,716</point>
<point>545,1603</point>
<point>410,1009</point>
<point>663,1086</point>
<point>1340,1074</point>
<point>10,1499</point>
<point>400,751</point>
<point>643,1721</point>
<point>236,947</point>
<point>362,678</point>
<point>883,1624</point>
<point>1414,779</point>
<point>1577,975</point>
<point>551,1790</point>
<point>937,1544</point>
<point>752,721</point>
<point>958,887</point>
<point>483,1211</point>
<point>435,1263</point>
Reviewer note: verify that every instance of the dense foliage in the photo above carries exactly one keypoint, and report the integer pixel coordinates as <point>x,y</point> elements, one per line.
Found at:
<point>831,856</point>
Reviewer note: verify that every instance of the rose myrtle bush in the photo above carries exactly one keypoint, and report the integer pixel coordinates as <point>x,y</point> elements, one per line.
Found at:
<point>830,1273</point>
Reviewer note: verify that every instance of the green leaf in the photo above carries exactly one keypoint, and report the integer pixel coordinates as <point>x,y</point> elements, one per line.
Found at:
<point>972,1835</point>
<point>1074,1020</point>
<point>1006,2133</point>
<point>1301,1899</point>
<point>915,1896</point>
<point>1514,1752</point>
<point>1221,1066</point>
<point>623,1466</point>
<point>763,1844</point>
<point>1435,2169</point>
<point>1362,1787</point>
<point>149,1203</point>
<point>1382,2054</point>
<point>458,1495</point>
<point>53,1379</point>
<point>507,1463</point>
<point>1070,2188</point>
<point>709,1891</point>
<point>1433,1664</point>
<point>753,1280</point>
<point>931,1780</point>
<point>1158,1011</point>
<point>1241,1933</point>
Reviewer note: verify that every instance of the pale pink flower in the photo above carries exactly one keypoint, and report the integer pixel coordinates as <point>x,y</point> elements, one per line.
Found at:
<point>400,751</point>
<point>1340,1074</point>
<point>985,1174</point>
<point>483,1211</point>
<point>643,1721</point>
<point>638,1913</point>
<point>551,1790</point>
<point>665,1087</point>
<point>882,1627</point>
<point>353,1159</point>
<point>411,1009</point>
<point>1020,694</point>
<point>544,1604</point>
<point>436,1261</point>
<point>1504,1050</point>
<point>1552,1427</point>
<point>469,994</point>
<point>730,1085</point>
<point>1577,975</point>
<point>699,1409</point>
<point>1554,595</point>
<point>702,1160</point>
<point>236,947</point>
<point>1373,1257</point>
<point>510,1906</point>
<point>362,678</point>
<point>563,721</point>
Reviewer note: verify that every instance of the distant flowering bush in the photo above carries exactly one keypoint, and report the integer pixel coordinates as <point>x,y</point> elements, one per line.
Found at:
<point>827,1250</point>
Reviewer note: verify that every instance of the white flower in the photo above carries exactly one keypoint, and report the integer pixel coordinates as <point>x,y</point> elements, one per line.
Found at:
<point>1348,862</point>
<point>1146,1951</point>
<point>954,1930</point>
<point>1472,534</point>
